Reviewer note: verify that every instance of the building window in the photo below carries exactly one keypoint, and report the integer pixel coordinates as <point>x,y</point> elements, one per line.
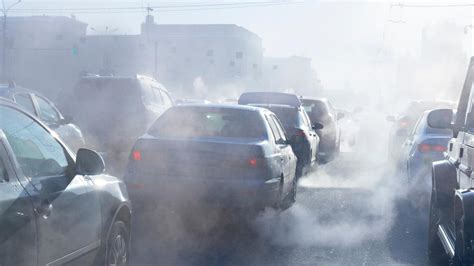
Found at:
<point>255,66</point>
<point>187,60</point>
<point>232,64</point>
<point>59,37</point>
<point>210,53</point>
<point>173,49</point>
<point>82,40</point>
<point>239,55</point>
<point>211,62</point>
<point>275,67</point>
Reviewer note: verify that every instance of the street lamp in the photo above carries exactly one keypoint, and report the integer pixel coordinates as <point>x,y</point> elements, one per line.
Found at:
<point>5,10</point>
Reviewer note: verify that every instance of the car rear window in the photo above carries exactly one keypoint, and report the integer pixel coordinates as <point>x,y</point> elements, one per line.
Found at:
<point>315,108</point>
<point>288,116</point>
<point>198,122</point>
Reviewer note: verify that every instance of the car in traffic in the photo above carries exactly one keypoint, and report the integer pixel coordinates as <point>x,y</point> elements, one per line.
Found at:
<point>321,111</point>
<point>404,123</point>
<point>40,106</point>
<point>304,140</point>
<point>229,156</point>
<point>114,111</point>
<point>451,221</point>
<point>423,146</point>
<point>56,208</point>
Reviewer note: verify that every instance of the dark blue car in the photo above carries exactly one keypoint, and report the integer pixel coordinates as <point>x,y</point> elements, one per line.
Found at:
<point>230,156</point>
<point>423,146</point>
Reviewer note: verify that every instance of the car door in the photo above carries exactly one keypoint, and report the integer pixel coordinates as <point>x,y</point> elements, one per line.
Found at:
<point>313,137</point>
<point>286,153</point>
<point>466,153</point>
<point>407,148</point>
<point>68,215</point>
<point>18,245</point>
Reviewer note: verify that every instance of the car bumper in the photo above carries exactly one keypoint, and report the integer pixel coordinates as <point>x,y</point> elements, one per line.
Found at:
<point>183,192</point>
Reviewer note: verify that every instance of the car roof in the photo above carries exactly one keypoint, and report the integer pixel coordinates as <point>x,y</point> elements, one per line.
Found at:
<point>222,106</point>
<point>279,106</point>
<point>269,98</point>
<point>303,99</point>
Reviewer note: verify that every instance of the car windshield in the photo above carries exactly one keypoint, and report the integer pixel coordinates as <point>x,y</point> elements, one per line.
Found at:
<point>208,123</point>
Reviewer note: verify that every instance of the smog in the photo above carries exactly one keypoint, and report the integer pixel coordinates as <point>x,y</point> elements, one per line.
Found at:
<point>236,132</point>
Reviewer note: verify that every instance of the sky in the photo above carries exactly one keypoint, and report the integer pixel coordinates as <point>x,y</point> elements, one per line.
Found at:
<point>345,39</point>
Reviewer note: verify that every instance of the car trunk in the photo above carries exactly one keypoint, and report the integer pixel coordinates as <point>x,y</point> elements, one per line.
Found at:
<point>197,159</point>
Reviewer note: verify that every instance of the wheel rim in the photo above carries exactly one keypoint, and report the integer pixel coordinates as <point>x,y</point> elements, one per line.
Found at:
<point>118,251</point>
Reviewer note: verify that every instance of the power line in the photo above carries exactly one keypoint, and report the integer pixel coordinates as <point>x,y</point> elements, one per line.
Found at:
<point>118,10</point>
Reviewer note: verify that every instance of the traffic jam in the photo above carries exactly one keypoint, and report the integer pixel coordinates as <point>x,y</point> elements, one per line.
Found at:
<point>130,149</point>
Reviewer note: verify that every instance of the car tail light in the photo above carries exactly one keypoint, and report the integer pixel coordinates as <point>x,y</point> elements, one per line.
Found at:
<point>300,133</point>
<point>252,162</point>
<point>403,123</point>
<point>431,148</point>
<point>136,155</point>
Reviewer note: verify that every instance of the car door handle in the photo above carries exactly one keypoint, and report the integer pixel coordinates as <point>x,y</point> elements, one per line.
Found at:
<point>44,209</point>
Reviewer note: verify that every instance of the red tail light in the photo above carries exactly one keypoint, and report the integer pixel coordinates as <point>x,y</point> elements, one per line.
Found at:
<point>136,155</point>
<point>252,162</point>
<point>300,133</point>
<point>403,123</point>
<point>431,148</point>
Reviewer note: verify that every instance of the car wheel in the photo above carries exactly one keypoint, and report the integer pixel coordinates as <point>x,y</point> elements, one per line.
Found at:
<point>118,245</point>
<point>436,253</point>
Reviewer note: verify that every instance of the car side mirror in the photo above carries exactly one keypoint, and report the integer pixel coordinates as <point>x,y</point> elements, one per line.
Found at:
<point>390,118</point>
<point>440,118</point>
<point>340,115</point>
<point>317,126</point>
<point>89,162</point>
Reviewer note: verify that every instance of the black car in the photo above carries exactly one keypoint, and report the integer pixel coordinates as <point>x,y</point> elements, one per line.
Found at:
<point>114,111</point>
<point>287,107</point>
<point>322,111</point>
<point>236,157</point>
<point>451,220</point>
<point>56,208</point>
<point>40,106</point>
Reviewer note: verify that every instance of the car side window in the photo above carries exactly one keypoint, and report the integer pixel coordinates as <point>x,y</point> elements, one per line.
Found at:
<point>25,101</point>
<point>274,128</point>
<point>280,128</point>
<point>37,152</point>
<point>3,172</point>
<point>47,112</point>
<point>166,98</point>
<point>306,119</point>
<point>157,95</point>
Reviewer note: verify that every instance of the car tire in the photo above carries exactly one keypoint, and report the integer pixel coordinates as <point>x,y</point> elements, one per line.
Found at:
<point>436,253</point>
<point>118,245</point>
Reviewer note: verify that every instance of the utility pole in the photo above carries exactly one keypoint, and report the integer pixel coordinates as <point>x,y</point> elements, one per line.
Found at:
<point>5,10</point>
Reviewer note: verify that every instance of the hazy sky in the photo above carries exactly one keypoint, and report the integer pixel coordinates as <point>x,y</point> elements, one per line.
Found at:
<point>343,38</point>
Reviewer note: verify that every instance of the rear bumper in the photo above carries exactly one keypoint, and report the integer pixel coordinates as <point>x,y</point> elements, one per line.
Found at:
<point>185,192</point>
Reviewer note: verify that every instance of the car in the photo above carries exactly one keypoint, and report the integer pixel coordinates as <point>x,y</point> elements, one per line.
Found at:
<point>287,107</point>
<point>403,123</point>
<point>322,111</point>
<point>55,207</point>
<point>115,111</point>
<point>424,146</point>
<point>40,106</point>
<point>227,156</point>
<point>451,222</point>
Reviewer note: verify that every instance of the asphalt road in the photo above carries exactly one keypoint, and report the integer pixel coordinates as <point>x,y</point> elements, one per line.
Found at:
<point>349,212</point>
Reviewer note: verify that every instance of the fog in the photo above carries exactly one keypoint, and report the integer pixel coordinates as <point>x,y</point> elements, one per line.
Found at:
<point>370,59</point>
